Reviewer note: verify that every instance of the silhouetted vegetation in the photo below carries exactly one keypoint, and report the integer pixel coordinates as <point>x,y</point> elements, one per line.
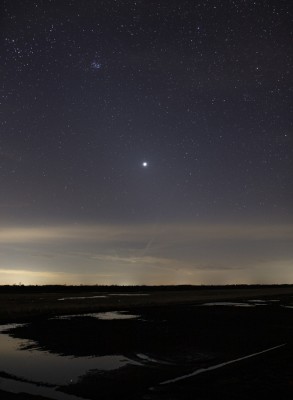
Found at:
<point>20,288</point>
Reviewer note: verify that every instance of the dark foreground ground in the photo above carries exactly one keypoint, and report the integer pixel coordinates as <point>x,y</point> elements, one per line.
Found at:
<point>173,329</point>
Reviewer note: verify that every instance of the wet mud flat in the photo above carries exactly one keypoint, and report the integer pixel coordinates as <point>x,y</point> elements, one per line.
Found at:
<point>18,304</point>
<point>160,343</point>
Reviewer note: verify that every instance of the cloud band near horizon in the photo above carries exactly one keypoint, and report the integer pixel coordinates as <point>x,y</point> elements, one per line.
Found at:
<point>146,254</point>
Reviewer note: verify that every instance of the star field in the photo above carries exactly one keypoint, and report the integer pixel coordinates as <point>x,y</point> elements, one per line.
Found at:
<point>145,112</point>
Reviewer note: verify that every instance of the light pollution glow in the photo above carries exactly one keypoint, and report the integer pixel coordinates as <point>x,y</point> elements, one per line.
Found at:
<point>146,254</point>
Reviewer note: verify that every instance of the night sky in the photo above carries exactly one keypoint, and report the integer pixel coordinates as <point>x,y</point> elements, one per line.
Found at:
<point>146,142</point>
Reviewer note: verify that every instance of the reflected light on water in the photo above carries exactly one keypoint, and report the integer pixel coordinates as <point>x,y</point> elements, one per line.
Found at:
<point>41,366</point>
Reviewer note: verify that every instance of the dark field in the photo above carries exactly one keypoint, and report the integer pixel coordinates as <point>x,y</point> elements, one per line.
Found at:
<point>174,335</point>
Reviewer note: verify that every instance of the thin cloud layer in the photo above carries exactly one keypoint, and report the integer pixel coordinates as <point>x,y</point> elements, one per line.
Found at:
<point>147,254</point>
<point>173,232</point>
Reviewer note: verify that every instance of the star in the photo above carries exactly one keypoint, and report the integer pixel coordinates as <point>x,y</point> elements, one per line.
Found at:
<point>145,164</point>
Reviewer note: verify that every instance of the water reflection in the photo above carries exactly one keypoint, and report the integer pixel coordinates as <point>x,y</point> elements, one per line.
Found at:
<point>249,303</point>
<point>109,315</point>
<point>228,303</point>
<point>82,297</point>
<point>115,315</point>
<point>128,294</point>
<point>103,296</point>
<point>41,366</point>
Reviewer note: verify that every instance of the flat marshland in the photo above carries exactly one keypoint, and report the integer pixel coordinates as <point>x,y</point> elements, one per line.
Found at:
<point>144,342</point>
